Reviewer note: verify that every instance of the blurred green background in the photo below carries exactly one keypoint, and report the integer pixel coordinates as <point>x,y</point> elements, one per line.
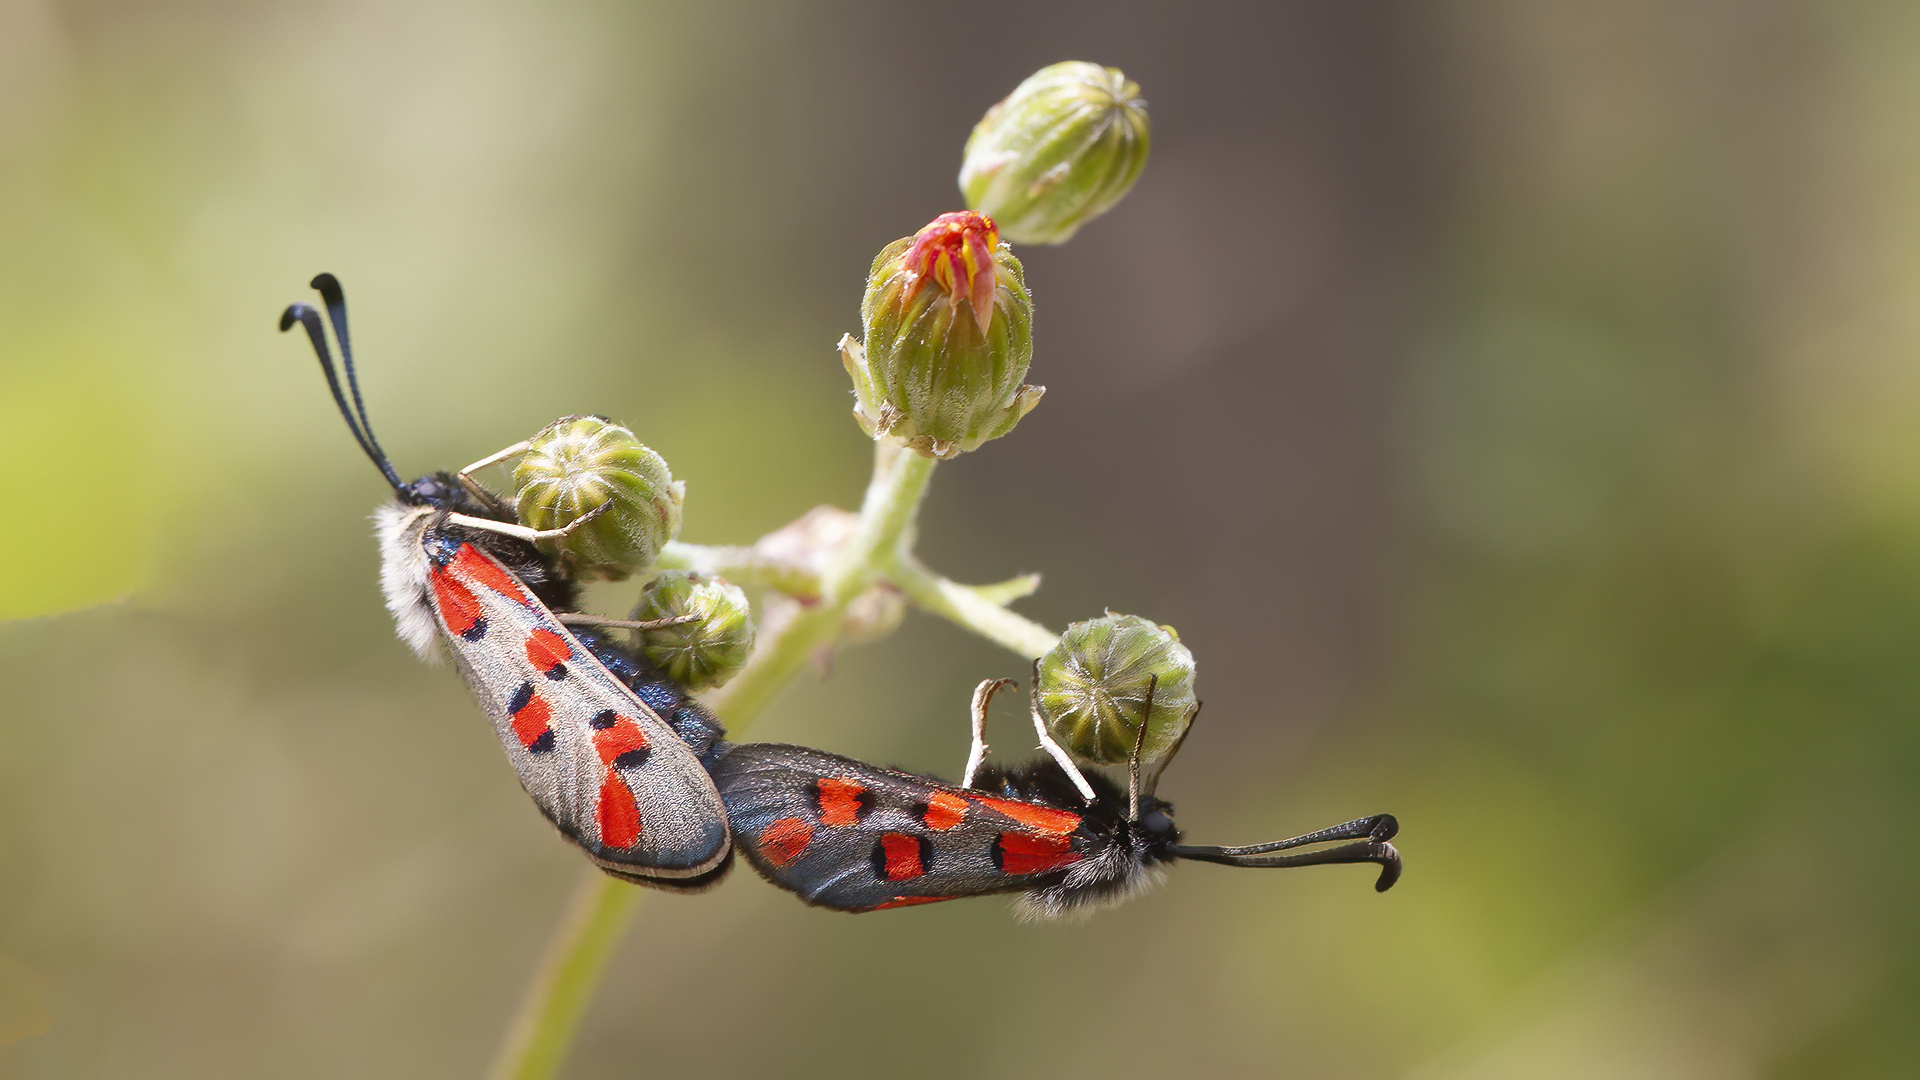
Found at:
<point>1514,405</point>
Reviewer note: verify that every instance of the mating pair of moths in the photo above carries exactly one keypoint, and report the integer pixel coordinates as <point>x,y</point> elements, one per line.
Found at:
<point>637,774</point>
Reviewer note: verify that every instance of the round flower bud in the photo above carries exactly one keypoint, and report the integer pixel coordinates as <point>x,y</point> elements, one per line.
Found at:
<point>580,463</point>
<point>1093,688</point>
<point>949,327</point>
<point>706,651</point>
<point>1057,153</point>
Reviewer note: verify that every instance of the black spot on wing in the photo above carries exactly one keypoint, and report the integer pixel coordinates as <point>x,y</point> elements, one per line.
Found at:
<point>557,672</point>
<point>603,719</point>
<point>475,632</point>
<point>520,698</point>
<point>543,743</point>
<point>633,759</point>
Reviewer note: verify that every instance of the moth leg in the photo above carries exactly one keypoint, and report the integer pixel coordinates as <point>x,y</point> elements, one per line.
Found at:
<point>521,532</point>
<point>1054,749</point>
<point>982,697</point>
<point>488,498</point>
<point>575,618</point>
<point>1139,744</point>
<point>1151,778</point>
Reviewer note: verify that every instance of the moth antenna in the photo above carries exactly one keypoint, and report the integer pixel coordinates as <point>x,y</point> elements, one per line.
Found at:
<point>336,298</point>
<point>1366,851</point>
<point>1133,759</point>
<point>309,320</point>
<point>1372,832</point>
<point>1379,827</point>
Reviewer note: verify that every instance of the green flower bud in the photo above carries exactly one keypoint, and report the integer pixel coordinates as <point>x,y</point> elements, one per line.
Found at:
<point>1093,688</point>
<point>949,327</point>
<point>1057,153</point>
<point>707,651</point>
<point>580,463</point>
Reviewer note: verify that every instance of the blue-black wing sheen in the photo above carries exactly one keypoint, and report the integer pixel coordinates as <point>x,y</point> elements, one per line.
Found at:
<point>847,835</point>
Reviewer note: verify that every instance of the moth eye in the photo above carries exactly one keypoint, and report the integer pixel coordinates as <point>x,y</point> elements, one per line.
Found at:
<point>1156,822</point>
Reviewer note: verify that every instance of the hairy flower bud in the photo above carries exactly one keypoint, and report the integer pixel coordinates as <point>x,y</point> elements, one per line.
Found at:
<point>1057,153</point>
<point>1093,688</point>
<point>949,334</point>
<point>704,652</point>
<point>580,463</point>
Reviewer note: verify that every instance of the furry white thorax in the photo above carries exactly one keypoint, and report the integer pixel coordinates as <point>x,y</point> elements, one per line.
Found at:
<point>1112,877</point>
<point>405,574</point>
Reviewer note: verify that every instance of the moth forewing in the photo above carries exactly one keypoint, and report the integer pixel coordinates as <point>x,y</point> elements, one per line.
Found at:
<point>454,566</point>
<point>601,764</point>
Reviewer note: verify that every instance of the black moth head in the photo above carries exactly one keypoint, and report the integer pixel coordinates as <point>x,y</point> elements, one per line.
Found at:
<point>439,490</point>
<point>1151,836</point>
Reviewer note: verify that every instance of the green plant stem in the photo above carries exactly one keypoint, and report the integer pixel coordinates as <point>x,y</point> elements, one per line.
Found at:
<point>886,515</point>
<point>743,566</point>
<point>972,607</point>
<point>595,920</point>
<point>586,938</point>
<point>1002,593</point>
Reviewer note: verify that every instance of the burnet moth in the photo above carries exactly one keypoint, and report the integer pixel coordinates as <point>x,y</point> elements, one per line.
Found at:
<point>850,836</point>
<point>624,784</point>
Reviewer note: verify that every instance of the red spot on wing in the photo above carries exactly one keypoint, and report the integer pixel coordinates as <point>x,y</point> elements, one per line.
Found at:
<point>902,856</point>
<point>546,649</point>
<point>840,800</point>
<point>784,840</point>
<point>624,736</point>
<point>944,811</point>
<point>1024,853</point>
<point>1044,818</point>
<point>475,565</point>
<point>619,816</point>
<point>909,901</point>
<point>531,721</point>
<point>458,608</point>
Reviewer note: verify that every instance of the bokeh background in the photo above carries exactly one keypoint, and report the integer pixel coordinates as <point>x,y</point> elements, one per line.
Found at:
<point>1514,405</point>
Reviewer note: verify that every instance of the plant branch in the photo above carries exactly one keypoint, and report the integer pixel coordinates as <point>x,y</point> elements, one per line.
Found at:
<point>886,519</point>
<point>595,921</point>
<point>1006,592</point>
<point>976,608</point>
<point>744,566</point>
